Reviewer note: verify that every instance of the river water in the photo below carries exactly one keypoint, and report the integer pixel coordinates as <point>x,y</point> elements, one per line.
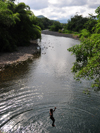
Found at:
<point>34,87</point>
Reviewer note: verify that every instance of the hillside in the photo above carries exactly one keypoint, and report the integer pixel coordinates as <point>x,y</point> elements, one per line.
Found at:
<point>61,21</point>
<point>40,16</point>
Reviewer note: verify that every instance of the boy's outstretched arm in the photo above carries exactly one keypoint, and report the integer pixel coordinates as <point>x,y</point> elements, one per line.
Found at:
<point>54,109</point>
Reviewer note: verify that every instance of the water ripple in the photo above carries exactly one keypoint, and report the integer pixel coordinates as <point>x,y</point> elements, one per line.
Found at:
<point>45,83</point>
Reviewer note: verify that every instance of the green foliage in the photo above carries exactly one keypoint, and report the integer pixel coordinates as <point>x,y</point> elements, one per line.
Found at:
<point>76,23</point>
<point>60,31</point>
<point>56,26</point>
<point>97,27</point>
<point>84,33</point>
<point>98,13</point>
<point>7,17</point>
<point>67,31</point>
<point>90,24</point>
<point>52,28</point>
<point>44,23</point>
<point>17,25</point>
<point>87,63</point>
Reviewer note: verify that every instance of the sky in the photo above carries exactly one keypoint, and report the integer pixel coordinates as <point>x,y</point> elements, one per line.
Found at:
<point>62,9</point>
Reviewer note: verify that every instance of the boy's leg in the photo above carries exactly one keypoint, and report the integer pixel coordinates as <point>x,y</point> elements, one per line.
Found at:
<point>53,121</point>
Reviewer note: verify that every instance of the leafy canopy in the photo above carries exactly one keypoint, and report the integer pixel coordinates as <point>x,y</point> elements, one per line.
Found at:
<point>87,64</point>
<point>17,25</point>
<point>56,26</point>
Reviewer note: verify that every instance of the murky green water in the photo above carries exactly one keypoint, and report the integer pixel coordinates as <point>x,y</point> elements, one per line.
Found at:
<point>35,87</point>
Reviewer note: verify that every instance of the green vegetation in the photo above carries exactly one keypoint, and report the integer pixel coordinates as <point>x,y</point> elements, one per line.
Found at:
<point>44,22</point>
<point>87,64</point>
<point>84,33</point>
<point>17,25</point>
<point>81,26</point>
<point>78,23</point>
<point>56,26</point>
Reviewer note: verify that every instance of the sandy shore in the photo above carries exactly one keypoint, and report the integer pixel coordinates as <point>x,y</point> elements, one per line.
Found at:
<point>22,54</point>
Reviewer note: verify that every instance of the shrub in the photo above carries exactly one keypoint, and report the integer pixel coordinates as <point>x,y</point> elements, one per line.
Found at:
<point>84,33</point>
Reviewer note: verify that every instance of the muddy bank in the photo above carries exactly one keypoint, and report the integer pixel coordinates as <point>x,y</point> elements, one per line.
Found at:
<point>22,54</point>
<point>47,32</point>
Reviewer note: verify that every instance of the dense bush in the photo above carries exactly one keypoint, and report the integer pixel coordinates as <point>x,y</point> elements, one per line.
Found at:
<point>87,64</point>
<point>67,31</point>
<point>56,26</point>
<point>84,33</point>
<point>77,23</point>
<point>44,23</point>
<point>17,25</point>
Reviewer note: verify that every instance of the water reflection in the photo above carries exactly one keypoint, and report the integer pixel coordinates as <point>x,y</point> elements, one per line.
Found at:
<point>44,83</point>
<point>17,71</point>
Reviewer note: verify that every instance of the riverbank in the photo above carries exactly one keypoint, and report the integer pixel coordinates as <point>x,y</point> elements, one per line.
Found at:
<point>47,32</point>
<point>22,54</point>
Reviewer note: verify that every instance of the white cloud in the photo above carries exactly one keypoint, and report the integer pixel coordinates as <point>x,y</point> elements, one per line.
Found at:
<point>52,1</point>
<point>36,4</point>
<point>62,9</point>
<point>64,3</point>
<point>93,3</point>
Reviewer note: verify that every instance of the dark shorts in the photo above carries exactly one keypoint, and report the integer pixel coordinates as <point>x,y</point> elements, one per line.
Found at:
<point>52,118</point>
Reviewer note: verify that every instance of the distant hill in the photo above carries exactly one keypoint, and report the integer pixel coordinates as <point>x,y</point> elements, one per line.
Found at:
<point>61,21</point>
<point>40,16</point>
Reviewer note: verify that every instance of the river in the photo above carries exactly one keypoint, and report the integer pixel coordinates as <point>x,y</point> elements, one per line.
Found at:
<point>32,88</point>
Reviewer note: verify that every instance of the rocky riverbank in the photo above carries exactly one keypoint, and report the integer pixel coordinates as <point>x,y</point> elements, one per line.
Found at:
<point>27,52</point>
<point>22,54</point>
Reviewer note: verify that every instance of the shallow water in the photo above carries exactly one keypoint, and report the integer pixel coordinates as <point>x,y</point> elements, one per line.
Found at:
<point>34,87</point>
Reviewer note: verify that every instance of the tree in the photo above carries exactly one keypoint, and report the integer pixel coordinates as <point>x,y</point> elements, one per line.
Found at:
<point>56,26</point>
<point>17,25</point>
<point>76,23</point>
<point>7,19</point>
<point>90,24</point>
<point>87,59</point>
<point>87,64</point>
<point>44,23</point>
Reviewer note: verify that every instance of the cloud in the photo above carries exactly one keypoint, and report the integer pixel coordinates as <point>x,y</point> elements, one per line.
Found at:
<point>62,9</point>
<point>93,6</point>
<point>93,3</point>
<point>36,4</point>
<point>66,3</point>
